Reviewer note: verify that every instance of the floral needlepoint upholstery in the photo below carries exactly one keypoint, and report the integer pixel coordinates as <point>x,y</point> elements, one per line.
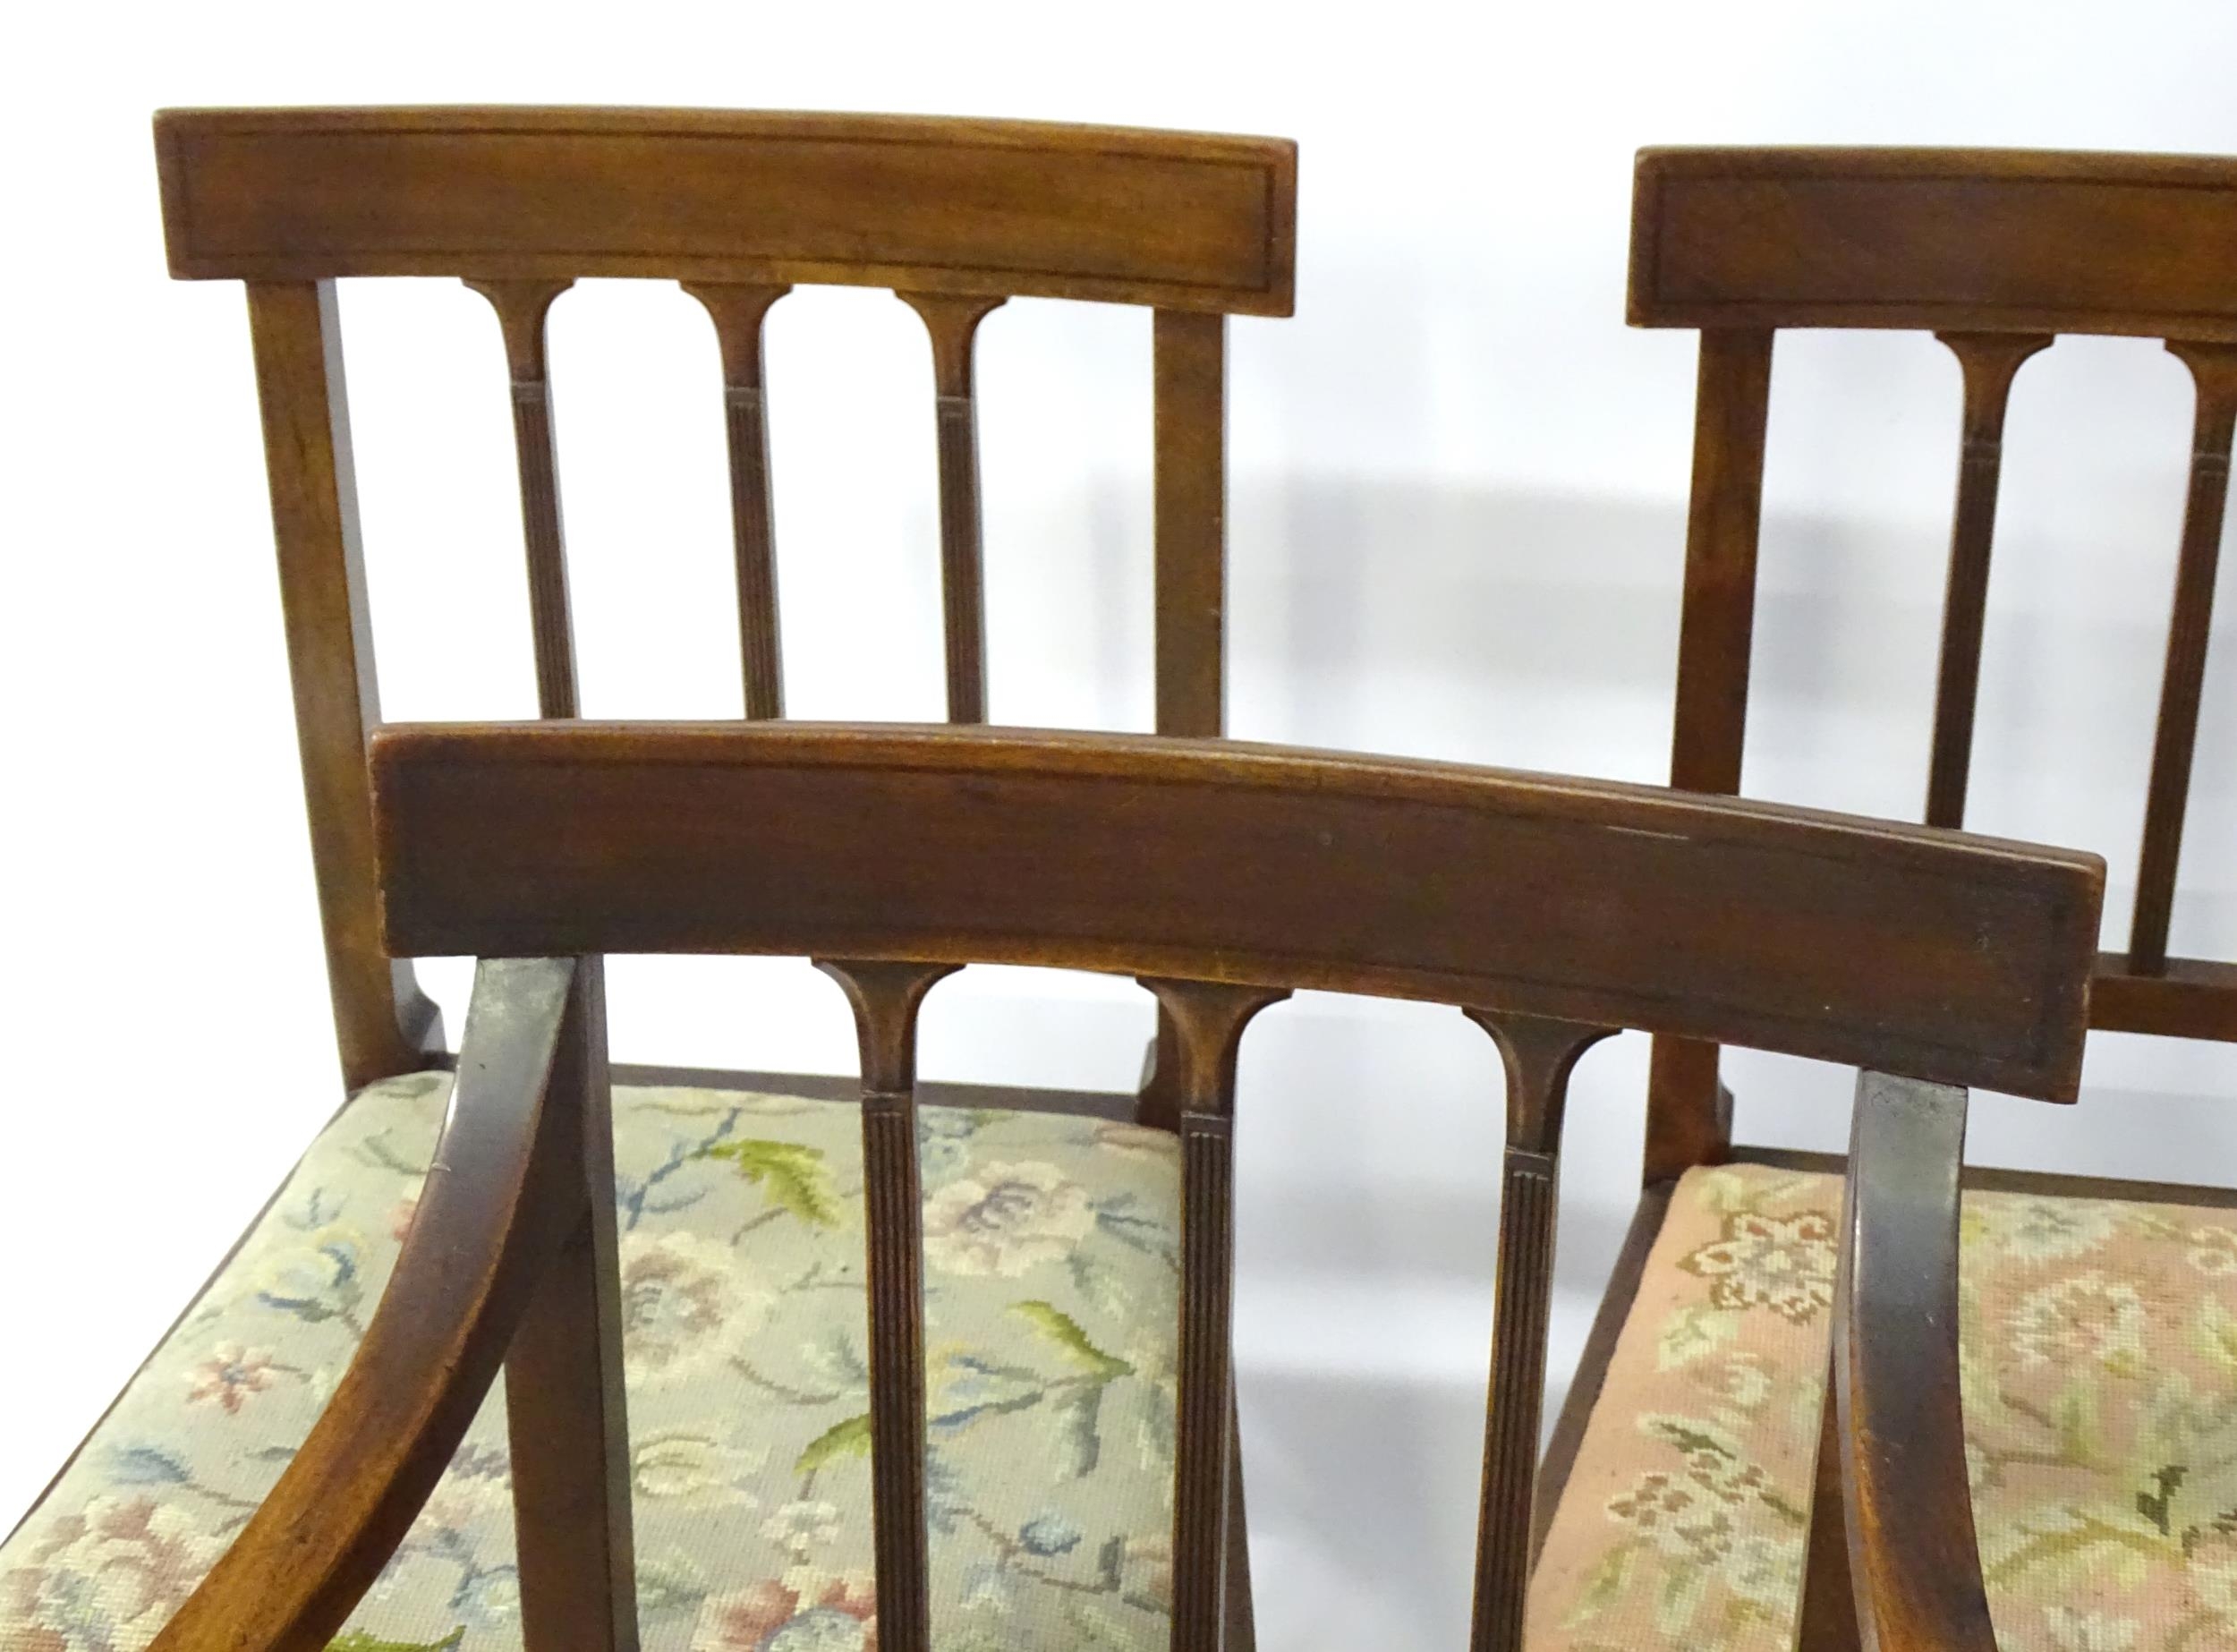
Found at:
<point>2099,1373</point>
<point>1050,1257</point>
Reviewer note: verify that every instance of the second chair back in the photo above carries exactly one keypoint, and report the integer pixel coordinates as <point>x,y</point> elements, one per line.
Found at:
<point>1995,253</point>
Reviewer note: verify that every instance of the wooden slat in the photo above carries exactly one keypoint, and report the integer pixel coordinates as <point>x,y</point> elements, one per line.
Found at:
<point>738,311</point>
<point>1209,1019</point>
<point>2215,369</point>
<point>1715,641</point>
<point>1538,1056</point>
<point>2183,997</point>
<point>521,307</point>
<point>1988,361</point>
<point>381,1018</point>
<point>1176,220</point>
<point>566,1407</point>
<point>1970,239</point>
<point>1913,1555</point>
<point>885,998</point>
<point>1851,941</point>
<point>1190,502</point>
<point>495,1209</point>
<point>953,323</point>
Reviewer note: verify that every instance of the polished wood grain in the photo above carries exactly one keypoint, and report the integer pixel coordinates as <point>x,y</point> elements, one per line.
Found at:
<point>1208,1019</point>
<point>381,1018</point>
<point>956,215</point>
<point>1914,1560</point>
<point>2002,240</point>
<point>885,998</point>
<point>501,1201</point>
<point>566,1405</point>
<point>1172,220</point>
<point>738,310</point>
<point>1737,922</point>
<point>952,323</point>
<point>1539,1055</point>
<point>1829,1620</point>
<point>1190,390</point>
<point>1989,362</point>
<point>2214,368</point>
<point>1716,648</point>
<point>1996,252</point>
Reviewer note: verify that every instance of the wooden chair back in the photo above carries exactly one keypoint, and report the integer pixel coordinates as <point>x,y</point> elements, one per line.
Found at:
<point>1995,253</point>
<point>1550,911</point>
<point>954,215</point>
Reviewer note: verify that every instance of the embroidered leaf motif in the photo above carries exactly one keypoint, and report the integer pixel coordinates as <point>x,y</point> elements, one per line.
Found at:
<point>1694,1332</point>
<point>2154,1509</point>
<point>794,1177</point>
<point>850,1438</point>
<point>1062,1329</point>
<point>1604,1586</point>
<point>1078,1417</point>
<point>358,1640</point>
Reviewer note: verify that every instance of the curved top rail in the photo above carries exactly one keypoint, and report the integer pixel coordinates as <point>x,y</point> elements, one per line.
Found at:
<point>1176,220</point>
<point>1974,240</point>
<point>1941,956</point>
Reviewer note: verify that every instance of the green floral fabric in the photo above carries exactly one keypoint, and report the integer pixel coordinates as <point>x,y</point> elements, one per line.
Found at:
<point>1051,1255</point>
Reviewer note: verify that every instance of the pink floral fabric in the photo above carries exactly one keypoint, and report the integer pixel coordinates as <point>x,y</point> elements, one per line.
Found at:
<point>2099,1352</point>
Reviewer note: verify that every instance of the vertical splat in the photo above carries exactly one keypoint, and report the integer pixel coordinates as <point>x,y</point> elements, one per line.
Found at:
<point>1688,1116</point>
<point>381,1018</point>
<point>952,320</point>
<point>1208,1019</point>
<point>885,998</point>
<point>1538,1054</point>
<point>2214,367</point>
<point>1190,373</point>
<point>1989,360</point>
<point>738,310</point>
<point>521,307</point>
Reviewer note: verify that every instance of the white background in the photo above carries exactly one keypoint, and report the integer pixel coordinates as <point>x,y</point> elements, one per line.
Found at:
<point>1457,522</point>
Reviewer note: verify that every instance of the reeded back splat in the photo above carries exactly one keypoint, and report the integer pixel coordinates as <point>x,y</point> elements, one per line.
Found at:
<point>954,215</point>
<point>1996,252</point>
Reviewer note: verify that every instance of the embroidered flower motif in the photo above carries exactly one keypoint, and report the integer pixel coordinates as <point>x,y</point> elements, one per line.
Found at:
<point>1005,1219</point>
<point>2214,1251</point>
<point>230,1375</point>
<point>684,1300</point>
<point>806,1610</point>
<point>678,1465</point>
<point>1676,1517</point>
<point>104,1578</point>
<point>2029,1229</point>
<point>490,1596</point>
<point>1050,1534</point>
<point>2085,1317</point>
<point>1767,1570</point>
<point>802,1526</point>
<point>319,1277</point>
<point>943,1142</point>
<point>1784,1263</point>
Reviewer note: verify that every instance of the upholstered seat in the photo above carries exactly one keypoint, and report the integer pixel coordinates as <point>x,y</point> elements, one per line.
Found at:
<point>2099,1349</point>
<point>1050,1269</point>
